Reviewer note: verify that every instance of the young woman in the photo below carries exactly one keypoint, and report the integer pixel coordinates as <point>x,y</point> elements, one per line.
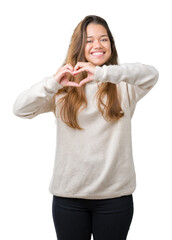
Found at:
<point>93,98</point>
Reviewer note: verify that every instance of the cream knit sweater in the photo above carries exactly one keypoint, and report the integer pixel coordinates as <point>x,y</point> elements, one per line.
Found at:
<point>97,162</point>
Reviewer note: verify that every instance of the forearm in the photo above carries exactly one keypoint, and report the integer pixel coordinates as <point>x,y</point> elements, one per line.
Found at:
<point>133,73</point>
<point>37,99</point>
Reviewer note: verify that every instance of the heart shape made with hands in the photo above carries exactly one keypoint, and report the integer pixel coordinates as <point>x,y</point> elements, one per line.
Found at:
<point>79,67</point>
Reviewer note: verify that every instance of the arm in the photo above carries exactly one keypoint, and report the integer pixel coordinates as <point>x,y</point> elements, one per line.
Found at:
<point>39,98</point>
<point>140,78</point>
<point>36,100</point>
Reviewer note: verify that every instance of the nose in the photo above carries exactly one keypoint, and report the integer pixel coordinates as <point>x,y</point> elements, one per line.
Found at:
<point>97,44</point>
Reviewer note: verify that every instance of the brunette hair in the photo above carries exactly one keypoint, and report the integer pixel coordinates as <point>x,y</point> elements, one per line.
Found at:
<point>74,98</point>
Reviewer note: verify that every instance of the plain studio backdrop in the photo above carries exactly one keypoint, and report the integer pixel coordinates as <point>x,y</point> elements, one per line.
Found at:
<point>35,35</point>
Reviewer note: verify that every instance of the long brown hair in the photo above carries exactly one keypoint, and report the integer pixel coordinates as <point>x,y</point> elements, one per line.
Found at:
<point>74,98</point>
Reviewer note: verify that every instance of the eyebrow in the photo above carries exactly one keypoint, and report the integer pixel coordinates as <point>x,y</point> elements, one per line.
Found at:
<point>100,36</point>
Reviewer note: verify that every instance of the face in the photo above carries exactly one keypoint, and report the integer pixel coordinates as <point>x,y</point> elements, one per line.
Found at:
<point>98,46</point>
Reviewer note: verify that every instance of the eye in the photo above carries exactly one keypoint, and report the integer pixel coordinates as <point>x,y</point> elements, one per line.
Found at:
<point>104,39</point>
<point>89,41</point>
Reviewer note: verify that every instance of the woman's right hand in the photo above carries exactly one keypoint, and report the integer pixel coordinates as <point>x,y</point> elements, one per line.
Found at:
<point>61,76</point>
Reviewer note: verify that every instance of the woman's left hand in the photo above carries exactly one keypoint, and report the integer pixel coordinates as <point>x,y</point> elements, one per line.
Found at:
<point>85,67</point>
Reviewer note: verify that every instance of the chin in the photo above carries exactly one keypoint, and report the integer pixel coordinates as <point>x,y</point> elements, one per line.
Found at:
<point>98,63</point>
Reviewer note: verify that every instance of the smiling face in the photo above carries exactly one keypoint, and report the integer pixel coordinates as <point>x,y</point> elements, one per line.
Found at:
<point>98,46</point>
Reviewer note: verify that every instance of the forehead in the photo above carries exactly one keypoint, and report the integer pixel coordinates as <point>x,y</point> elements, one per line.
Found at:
<point>94,30</point>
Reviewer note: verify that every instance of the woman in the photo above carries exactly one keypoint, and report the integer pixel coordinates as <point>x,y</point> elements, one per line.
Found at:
<point>93,98</point>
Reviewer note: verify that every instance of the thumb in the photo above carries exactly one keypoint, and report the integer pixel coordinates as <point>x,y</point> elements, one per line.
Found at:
<point>86,80</point>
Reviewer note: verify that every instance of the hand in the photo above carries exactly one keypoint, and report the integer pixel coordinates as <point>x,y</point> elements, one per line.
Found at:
<point>61,76</point>
<point>85,67</point>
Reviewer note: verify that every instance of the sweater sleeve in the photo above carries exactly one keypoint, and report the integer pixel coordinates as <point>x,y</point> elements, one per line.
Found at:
<point>140,78</point>
<point>38,99</point>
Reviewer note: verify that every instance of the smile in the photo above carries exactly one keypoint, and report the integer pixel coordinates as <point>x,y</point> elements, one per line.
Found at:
<point>97,53</point>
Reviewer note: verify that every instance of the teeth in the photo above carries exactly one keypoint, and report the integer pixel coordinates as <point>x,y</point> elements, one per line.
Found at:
<point>97,53</point>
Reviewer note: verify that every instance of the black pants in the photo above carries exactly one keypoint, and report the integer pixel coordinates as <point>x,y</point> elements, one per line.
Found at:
<point>107,219</point>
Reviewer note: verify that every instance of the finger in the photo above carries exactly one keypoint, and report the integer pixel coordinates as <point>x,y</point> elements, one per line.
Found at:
<point>64,71</point>
<point>84,66</point>
<point>70,67</point>
<point>80,65</point>
<point>83,69</point>
<point>67,66</point>
<point>72,84</point>
<point>61,74</point>
<point>86,80</point>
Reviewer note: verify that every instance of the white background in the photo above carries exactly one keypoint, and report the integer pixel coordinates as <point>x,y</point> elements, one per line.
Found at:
<point>34,39</point>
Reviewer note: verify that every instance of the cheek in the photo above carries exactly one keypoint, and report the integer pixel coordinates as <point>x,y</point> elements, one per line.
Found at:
<point>109,52</point>
<point>109,49</point>
<point>87,51</point>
